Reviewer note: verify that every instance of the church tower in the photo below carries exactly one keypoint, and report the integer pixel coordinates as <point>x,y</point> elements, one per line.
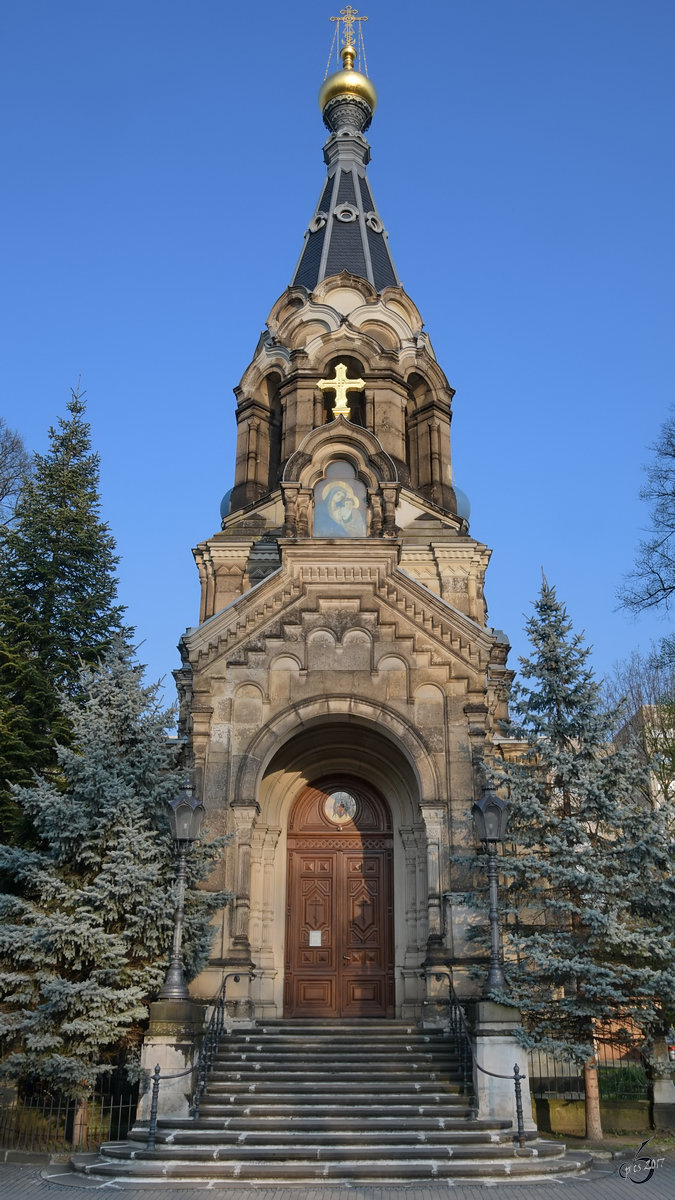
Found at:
<point>341,685</point>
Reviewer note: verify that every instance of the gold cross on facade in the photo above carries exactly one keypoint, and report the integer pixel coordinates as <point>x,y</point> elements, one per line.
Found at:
<point>341,385</point>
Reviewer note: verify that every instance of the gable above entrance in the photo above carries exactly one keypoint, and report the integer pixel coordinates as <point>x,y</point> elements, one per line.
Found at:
<point>314,577</point>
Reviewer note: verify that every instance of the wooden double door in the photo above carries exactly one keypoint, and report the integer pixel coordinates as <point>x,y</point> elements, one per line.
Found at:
<point>339,915</point>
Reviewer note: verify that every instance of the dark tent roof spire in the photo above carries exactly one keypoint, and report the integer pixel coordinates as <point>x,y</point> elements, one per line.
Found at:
<point>346,232</point>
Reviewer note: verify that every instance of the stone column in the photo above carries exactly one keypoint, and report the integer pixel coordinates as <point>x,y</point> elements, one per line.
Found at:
<point>244,819</point>
<point>433,820</point>
<point>272,836</point>
<point>412,989</point>
<point>262,924</point>
<point>497,1050</point>
<point>435,1004</point>
<point>409,838</point>
<point>290,496</point>
<point>663,1102</point>
<point>662,1086</point>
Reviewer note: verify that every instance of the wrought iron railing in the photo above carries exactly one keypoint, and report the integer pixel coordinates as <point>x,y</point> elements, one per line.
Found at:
<point>461,1033</point>
<point>621,1069</point>
<point>52,1124</point>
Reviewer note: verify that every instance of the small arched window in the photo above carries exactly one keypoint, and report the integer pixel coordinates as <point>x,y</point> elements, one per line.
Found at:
<point>355,399</point>
<point>275,431</point>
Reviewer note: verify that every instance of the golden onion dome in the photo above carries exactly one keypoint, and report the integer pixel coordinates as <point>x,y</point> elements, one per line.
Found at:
<point>348,82</point>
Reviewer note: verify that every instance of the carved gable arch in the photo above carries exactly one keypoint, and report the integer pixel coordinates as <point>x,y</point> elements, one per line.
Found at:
<point>353,453</point>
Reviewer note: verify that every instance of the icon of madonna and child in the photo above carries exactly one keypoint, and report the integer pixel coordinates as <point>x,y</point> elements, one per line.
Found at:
<point>340,503</point>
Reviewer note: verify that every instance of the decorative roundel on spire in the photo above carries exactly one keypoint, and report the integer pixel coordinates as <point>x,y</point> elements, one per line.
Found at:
<point>347,212</point>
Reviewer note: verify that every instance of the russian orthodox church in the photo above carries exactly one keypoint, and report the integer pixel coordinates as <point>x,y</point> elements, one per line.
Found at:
<point>337,697</point>
<point>341,685</point>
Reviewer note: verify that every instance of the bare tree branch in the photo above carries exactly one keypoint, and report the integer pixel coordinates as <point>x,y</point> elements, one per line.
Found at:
<point>651,583</point>
<point>14,466</point>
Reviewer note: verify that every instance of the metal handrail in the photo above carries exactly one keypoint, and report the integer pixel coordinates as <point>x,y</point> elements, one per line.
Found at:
<point>212,1036</point>
<point>207,1053</point>
<point>462,1034</point>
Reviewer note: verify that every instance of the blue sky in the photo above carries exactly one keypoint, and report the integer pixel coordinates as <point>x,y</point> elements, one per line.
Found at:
<point>161,162</point>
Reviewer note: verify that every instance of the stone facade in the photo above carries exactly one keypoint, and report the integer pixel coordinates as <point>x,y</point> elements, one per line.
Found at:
<point>343,631</point>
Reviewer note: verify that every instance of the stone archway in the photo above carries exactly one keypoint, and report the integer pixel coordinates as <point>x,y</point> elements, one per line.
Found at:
<point>339,746</point>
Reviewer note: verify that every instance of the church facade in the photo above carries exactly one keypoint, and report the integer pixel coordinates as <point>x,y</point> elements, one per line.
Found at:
<point>341,686</point>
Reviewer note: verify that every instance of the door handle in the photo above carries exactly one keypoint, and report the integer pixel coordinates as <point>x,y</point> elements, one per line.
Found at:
<point>345,958</point>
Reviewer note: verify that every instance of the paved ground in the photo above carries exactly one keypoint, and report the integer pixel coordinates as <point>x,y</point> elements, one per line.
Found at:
<point>58,1182</point>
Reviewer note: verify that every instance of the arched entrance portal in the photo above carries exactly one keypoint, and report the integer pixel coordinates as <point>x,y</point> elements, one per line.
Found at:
<point>339,959</point>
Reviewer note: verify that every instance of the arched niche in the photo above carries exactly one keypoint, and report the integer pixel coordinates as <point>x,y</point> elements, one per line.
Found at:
<point>393,675</point>
<point>326,453</point>
<point>340,502</point>
<point>248,706</point>
<point>355,399</point>
<point>283,670</point>
<point>429,706</point>
<point>272,384</point>
<point>418,396</point>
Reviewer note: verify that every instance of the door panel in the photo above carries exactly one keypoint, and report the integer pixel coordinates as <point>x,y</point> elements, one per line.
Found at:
<point>311,984</point>
<point>364,941</point>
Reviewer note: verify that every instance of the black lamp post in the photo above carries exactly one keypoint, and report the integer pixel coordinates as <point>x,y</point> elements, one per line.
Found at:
<point>490,815</point>
<point>185,818</point>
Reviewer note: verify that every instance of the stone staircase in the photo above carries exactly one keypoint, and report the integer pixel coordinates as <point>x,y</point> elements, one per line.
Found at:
<point>294,1101</point>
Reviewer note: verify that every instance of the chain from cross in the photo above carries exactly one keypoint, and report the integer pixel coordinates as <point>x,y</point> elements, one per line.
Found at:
<point>341,385</point>
<point>349,20</point>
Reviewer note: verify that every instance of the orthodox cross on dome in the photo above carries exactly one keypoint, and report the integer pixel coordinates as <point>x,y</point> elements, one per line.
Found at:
<point>341,385</point>
<point>349,18</point>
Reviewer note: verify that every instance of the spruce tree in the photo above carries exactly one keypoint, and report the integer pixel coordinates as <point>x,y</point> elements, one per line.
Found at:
<point>589,893</point>
<point>57,601</point>
<point>86,918</point>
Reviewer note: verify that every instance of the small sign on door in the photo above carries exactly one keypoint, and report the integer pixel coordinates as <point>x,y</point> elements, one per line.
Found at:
<point>315,937</point>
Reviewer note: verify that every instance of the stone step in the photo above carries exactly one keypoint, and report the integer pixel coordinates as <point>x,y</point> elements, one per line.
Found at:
<point>336,1029</point>
<point>355,1103</point>
<point>337,1038</point>
<point>332,1048</point>
<point>395,1076</point>
<point>364,1028</point>
<point>339,1086</point>
<point>260,1107</point>
<point>255,1135</point>
<point>227,1080</point>
<point>340,1122</point>
<point>366,1101</point>
<point>382,1170</point>
<point>303,1055</point>
<point>302,1151</point>
<point>335,1049</point>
